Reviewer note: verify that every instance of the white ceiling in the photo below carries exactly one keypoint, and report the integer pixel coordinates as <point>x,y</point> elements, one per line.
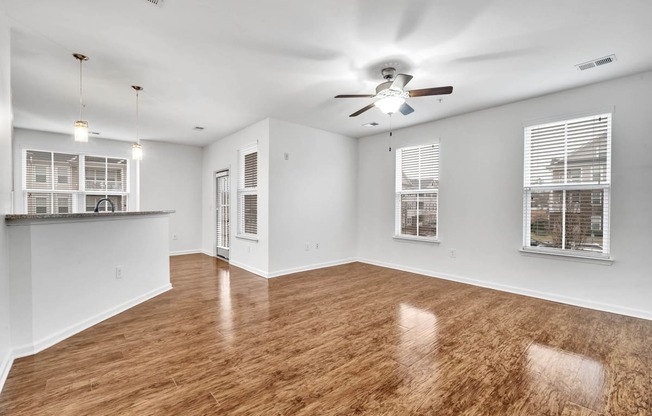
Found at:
<point>224,65</point>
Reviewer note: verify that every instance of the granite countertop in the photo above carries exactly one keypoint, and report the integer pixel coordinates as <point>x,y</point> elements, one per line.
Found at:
<point>89,215</point>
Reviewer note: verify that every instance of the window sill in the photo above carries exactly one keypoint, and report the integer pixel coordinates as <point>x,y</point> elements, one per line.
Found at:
<point>247,237</point>
<point>414,238</point>
<point>586,258</point>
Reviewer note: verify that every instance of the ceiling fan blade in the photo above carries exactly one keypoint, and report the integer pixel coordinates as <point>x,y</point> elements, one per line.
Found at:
<point>400,81</point>
<point>431,91</point>
<point>362,110</point>
<point>355,96</point>
<point>405,109</point>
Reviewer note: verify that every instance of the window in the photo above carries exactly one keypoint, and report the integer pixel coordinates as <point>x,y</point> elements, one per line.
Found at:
<point>105,177</point>
<point>248,192</point>
<point>51,180</point>
<point>62,183</point>
<point>417,192</point>
<point>566,210</point>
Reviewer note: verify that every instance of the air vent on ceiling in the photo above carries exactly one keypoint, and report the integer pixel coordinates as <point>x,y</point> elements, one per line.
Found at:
<point>155,2</point>
<point>198,128</point>
<point>372,124</point>
<point>596,62</point>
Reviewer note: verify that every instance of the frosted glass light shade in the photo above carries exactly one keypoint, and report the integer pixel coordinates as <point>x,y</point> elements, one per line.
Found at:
<point>81,131</point>
<point>390,105</point>
<point>137,151</point>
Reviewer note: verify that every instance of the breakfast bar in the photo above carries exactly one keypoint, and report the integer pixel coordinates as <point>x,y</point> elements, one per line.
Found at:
<point>71,271</point>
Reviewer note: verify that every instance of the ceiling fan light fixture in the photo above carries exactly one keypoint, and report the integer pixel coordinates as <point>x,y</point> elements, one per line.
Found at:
<point>390,105</point>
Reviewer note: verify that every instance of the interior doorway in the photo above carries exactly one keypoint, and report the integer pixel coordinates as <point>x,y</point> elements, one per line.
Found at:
<point>223,228</point>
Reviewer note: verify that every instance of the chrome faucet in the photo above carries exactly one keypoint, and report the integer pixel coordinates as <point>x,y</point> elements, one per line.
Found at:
<point>97,206</point>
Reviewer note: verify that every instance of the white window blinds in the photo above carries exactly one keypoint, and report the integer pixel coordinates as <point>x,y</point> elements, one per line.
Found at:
<point>62,183</point>
<point>51,181</point>
<point>567,182</point>
<point>248,192</point>
<point>417,191</point>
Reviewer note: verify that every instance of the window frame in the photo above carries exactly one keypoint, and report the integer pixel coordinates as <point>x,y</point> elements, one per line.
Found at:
<point>569,186</point>
<point>78,196</point>
<point>399,192</point>
<point>244,191</point>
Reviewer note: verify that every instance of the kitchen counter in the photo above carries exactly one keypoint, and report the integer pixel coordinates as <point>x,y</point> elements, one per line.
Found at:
<point>21,218</point>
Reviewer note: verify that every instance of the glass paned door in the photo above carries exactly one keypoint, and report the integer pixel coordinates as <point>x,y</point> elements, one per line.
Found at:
<point>222,213</point>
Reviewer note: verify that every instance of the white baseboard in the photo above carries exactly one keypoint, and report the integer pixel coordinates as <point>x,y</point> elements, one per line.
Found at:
<point>50,340</point>
<point>183,252</point>
<point>310,267</point>
<point>249,268</point>
<point>604,307</point>
<point>5,367</point>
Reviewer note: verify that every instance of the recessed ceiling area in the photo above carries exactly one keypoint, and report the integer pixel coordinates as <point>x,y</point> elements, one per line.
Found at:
<point>226,65</point>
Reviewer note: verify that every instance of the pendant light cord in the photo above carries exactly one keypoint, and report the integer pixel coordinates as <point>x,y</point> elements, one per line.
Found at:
<point>137,118</point>
<point>81,101</point>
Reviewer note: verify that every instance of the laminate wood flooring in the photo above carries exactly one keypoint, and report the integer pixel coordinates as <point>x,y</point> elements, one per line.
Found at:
<point>351,339</point>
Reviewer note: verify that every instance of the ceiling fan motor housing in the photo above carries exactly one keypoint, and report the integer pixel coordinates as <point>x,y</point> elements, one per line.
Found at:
<point>388,73</point>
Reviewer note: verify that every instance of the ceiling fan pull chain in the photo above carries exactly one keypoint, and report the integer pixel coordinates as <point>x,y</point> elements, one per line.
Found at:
<point>390,132</point>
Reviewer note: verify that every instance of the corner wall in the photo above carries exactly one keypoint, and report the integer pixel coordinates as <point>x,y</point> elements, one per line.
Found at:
<point>6,117</point>
<point>170,178</point>
<point>312,205</point>
<point>223,154</point>
<point>481,176</point>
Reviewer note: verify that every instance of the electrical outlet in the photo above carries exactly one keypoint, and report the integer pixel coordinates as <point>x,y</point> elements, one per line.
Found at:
<point>307,246</point>
<point>316,246</point>
<point>453,253</point>
<point>118,272</point>
<point>286,156</point>
<point>174,236</point>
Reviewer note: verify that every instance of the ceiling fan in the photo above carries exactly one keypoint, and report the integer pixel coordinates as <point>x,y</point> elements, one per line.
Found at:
<point>392,95</point>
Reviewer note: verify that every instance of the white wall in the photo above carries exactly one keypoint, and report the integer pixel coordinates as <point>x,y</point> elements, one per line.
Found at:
<point>223,154</point>
<point>6,115</point>
<point>312,198</point>
<point>160,186</point>
<point>179,188</point>
<point>481,200</point>
<point>58,290</point>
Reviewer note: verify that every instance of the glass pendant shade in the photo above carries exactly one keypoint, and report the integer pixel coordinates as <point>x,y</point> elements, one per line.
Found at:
<point>137,151</point>
<point>81,126</point>
<point>81,131</point>
<point>390,105</point>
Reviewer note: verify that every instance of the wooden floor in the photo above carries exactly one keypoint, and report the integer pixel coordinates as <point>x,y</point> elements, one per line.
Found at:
<point>352,339</point>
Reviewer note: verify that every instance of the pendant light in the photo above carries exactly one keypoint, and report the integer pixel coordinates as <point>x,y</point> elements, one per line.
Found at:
<point>137,149</point>
<point>81,126</point>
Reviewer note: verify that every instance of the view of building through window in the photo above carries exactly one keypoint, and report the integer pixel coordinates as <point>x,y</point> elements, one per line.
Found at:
<point>56,183</point>
<point>567,184</point>
<point>417,184</point>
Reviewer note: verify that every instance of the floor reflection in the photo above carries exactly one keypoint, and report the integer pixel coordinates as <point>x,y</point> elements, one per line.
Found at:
<point>226,309</point>
<point>578,376</point>
<point>420,338</point>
